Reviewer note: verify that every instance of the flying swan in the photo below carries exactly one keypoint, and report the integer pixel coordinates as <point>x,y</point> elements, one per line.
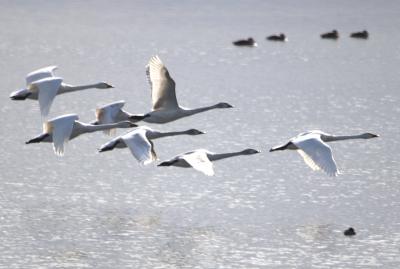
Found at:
<point>315,152</point>
<point>42,85</point>
<point>113,112</point>
<point>201,159</point>
<point>165,106</point>
<point>67,127</point>
<point>139,142</point>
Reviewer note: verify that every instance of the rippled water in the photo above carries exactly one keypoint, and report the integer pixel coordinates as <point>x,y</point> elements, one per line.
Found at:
<point>90,210</point>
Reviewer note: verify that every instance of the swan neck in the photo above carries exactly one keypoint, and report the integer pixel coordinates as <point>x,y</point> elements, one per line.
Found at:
<point>331,138</point>
<point>219,156</point>
<point>172,133</point>
<point>198,110</point>
<point>73,88</point>
<point>165,134</point>
<point>102,127</point>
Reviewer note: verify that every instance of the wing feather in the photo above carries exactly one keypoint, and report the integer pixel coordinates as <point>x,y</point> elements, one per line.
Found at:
<point>38,74</point>
<point>48,88</point>
<point>199,161</point>
<point>162,85</point>
<point>61,130</point>
<point>108,114</point>
<point>316,153</point>
<point>141,148</point>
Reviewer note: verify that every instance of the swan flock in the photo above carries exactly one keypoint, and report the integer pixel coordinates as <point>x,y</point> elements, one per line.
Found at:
<point>43,85</point>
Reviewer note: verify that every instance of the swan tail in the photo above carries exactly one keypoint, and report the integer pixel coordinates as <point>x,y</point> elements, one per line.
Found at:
<point>109,146</point>
<point>136,118</point>
<point>167,163</point>
<point>37,139</point>
<point>280,147</point>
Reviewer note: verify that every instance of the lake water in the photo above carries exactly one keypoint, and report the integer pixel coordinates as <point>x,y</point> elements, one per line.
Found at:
<point>91,210</point>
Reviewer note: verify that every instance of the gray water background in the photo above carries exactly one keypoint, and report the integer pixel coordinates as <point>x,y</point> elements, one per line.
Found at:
<point>91,210</point>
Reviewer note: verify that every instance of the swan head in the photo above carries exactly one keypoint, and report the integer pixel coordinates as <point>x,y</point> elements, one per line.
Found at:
<point>21,94</point>
<point>369,135</point>
<point>223,105</point>
<point>104,85</point>
<point>250,151</point>
<point>194,132</point>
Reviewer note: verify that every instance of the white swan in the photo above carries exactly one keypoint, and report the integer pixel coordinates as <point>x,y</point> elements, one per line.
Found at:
<point>42,85</point>
<point>139,142</point>
<point>165,106</point>
<point>315,152</point>
<point>200,159</point>
<point>113,112</point>
<point>67,127</point>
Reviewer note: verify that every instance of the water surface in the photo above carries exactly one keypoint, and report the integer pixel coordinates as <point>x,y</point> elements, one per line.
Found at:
<point>90,210</point>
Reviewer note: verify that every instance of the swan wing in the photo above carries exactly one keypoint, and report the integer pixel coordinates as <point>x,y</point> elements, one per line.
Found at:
<point>44,72</point>
<point>316,154</point>
<point>141,148</point>
<point>162,85</point>
<point>199,161</point>
<point>47,90</point>
<point>61,130</point>
<point>114,106</point>
<point>108,114</point>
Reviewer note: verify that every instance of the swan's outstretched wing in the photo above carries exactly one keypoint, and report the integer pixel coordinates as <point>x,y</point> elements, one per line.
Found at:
<point>162,85</point>
<point>108,114</point>
<point>199,161</point>
<point>141,148</point>
<point>316,153</point>
<point>44,72</point>
<point>47,90</point>
<point>61,130</point>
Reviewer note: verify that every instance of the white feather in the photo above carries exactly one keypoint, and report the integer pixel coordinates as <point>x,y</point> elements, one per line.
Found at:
<point>61,129</point>
<point>44,72</point>
<point>47,88</point>
<point>162,85</point>
<point>140,147</point>
<point>108,114</point>
<point>198,160</point>
<point>316,153</point>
